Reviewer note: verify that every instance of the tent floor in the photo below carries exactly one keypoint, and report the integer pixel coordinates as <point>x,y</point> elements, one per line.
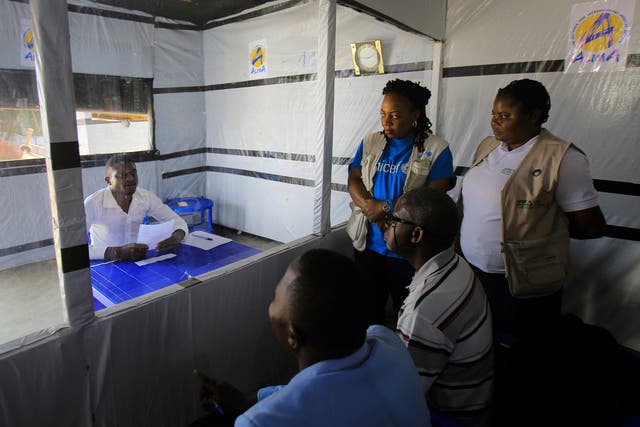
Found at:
<point>30,295</point>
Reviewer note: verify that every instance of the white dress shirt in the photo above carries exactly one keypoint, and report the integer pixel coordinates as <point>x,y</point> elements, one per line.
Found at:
<point>109,225</point>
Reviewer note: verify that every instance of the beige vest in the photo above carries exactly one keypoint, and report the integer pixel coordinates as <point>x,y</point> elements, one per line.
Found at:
<point>420,163</point>
<point>535,231</point>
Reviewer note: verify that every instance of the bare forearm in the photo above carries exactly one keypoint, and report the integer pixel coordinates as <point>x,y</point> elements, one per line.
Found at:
<point>358,192</point>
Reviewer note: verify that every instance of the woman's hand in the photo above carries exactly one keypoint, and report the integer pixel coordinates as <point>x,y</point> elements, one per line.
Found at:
<point>372,209</point>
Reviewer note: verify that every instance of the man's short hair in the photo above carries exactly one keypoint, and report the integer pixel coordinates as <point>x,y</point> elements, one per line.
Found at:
<point>435,212</point>
<point>326,301</point>
<point>117,160</point>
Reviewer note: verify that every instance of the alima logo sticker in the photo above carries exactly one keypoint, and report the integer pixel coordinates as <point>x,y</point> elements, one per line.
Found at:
<point>599,36</point>
<point>258,59</point>
<point>27,44</point>
<point>601,30</point>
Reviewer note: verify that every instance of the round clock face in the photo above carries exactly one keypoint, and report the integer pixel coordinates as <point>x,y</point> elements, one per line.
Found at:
<point>367,57</point>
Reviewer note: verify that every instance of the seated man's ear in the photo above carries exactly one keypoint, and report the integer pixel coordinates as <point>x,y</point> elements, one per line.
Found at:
<point>295,337</point>
<point>107,179</point>
<point>417,234</point>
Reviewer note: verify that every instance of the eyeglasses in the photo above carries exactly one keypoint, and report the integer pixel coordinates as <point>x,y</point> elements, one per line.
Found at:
<point>392,220</point>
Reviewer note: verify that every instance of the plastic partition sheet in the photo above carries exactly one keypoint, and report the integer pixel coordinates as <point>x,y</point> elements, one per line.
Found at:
<point>490,43</point>
<point>31,305</point>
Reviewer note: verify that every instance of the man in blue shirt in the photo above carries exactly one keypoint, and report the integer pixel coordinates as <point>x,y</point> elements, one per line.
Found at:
<point>349,375</point>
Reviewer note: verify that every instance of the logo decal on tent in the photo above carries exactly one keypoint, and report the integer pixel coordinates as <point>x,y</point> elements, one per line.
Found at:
<point>599,36</point>
<point>258,59</point>
<point>27,44</point>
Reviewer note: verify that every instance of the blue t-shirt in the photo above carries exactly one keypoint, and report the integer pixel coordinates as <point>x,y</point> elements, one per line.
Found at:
<point>376,386</point>
<point>391,173</point>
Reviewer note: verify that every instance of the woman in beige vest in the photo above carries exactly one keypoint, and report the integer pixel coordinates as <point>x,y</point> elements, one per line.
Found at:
<point>525,195</point>
<point>403,156</point>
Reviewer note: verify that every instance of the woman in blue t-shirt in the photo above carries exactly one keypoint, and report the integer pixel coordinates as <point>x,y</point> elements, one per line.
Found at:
<point>378,176</point>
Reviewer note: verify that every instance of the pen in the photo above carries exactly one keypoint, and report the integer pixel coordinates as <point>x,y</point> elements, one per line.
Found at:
<point>218,407</point>
<point>202,237</point>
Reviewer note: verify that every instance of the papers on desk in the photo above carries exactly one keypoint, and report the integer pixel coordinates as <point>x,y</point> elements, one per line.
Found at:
<point>152,234</point>
<point>154,259</point>
<point>204,240</point>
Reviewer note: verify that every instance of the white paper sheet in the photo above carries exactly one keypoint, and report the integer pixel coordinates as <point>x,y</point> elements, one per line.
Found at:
<point>151,234</point>
<point>204,240</point>
<point>154,259</point>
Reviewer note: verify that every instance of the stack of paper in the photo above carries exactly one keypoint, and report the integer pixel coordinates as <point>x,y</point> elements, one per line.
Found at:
<point>204,240</point>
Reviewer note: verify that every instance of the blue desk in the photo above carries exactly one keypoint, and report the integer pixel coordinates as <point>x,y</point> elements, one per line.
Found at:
<point>118,281</point>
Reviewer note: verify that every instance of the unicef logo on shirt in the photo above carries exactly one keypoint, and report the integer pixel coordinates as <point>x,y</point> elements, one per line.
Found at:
<point>404,168</point>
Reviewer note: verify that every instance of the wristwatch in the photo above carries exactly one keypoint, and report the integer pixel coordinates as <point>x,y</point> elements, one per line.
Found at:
<point>386,207</point>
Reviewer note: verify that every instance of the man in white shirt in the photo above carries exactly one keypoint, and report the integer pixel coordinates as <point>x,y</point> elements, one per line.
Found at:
<point>114,215</point>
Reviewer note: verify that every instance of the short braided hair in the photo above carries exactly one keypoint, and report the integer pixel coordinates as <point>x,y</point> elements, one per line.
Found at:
<point>530,94</point>
<point>419,97</point>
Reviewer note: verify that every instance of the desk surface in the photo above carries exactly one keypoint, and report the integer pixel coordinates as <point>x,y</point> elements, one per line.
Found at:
<point>118,281</point>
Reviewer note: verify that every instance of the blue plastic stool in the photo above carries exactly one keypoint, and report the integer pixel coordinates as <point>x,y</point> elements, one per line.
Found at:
<point>185,205</point>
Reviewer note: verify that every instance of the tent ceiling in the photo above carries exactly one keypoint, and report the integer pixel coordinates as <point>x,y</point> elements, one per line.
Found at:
<point>196,11</point>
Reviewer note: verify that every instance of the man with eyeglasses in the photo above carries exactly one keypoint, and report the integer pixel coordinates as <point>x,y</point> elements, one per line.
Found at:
<point>445,321</point>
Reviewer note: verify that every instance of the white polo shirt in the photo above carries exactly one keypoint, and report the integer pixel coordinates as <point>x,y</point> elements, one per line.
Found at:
<point>481,231</point>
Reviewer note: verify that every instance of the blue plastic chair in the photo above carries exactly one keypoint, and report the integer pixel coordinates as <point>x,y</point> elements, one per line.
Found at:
<point>186,205</point>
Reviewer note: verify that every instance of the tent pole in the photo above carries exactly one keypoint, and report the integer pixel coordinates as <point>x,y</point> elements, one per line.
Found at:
<point>58,114</point>
<point>436,73</point>
<point>325,82</point>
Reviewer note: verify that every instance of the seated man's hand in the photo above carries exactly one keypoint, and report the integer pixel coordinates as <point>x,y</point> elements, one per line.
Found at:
<point>222,397</point>
<point>171,242</point>
<point>130,252</point>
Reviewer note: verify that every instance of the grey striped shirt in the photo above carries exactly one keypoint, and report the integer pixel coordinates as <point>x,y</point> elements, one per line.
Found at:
<point>446,324</point>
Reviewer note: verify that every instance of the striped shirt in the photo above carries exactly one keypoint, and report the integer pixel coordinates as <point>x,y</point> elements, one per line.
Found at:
<point>446,324</point>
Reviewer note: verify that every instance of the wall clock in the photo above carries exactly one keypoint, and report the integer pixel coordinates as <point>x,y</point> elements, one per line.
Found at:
<point>367,57</point>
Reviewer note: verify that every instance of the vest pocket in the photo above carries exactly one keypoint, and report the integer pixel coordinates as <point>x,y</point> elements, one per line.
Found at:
<point>537,267</point>
<point>357,227</point>
<point>421,167</point>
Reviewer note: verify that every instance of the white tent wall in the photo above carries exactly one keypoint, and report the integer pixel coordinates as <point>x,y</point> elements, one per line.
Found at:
<point>262,146</point>
<point>597,111</point>
<point>180,114</point>
<point>263,139</point>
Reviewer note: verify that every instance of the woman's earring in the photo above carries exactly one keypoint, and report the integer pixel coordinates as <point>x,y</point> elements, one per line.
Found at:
<point>414,124</point>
